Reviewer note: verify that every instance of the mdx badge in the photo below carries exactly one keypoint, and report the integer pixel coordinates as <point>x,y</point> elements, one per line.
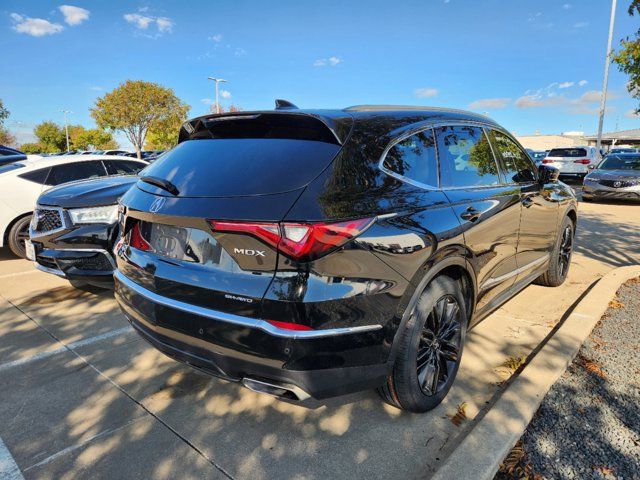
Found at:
<point>249,252</point>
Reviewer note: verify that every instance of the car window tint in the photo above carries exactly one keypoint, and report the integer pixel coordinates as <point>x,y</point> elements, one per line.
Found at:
<point>414,158</point>
<point>123,167</point>
<point>568,152</point>
<point>75,171</point>
<point>466,159</point>
<point>518,167</point>
<point>37,176</point>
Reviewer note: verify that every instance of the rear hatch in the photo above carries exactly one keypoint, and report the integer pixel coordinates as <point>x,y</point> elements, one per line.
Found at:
<point>568,160</point>
<point>202,224</point>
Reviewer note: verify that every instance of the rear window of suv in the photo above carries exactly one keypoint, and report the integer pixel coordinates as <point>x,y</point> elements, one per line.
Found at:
<point>567,152</point>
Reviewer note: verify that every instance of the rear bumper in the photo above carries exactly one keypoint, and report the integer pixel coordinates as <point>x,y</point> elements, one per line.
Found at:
<point>316,363</point>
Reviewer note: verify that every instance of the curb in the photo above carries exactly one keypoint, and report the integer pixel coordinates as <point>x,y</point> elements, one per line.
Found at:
<point>479,454</point>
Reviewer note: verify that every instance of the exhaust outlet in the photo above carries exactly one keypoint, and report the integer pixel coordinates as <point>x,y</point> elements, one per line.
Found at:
<point>280,390</point>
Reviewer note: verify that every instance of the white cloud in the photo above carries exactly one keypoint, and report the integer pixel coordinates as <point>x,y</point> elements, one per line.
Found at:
<point>74,15</point>
<point>566,84</point>
<point>225,93</point>
<point>36,27</point>
<point>489,103</point>
<point>331,61</point>
<point>164,24</point>
<point>143,22</point>
<point>632,114</point>
<point>580,24</point>
<point>208,101</point>
<point>240,52</point>
<point>140,21</point>
<point>566,6</point>
<point>96,88</point>
<point>534,101</point>
<point>582,83</point>
<point>216,38</point>
<point>425,92</point>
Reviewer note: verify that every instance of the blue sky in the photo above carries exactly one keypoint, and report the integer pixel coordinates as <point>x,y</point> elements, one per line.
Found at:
<point>531,65</point>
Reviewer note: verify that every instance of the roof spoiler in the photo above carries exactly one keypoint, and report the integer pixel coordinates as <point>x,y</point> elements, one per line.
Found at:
<point>285,105</point>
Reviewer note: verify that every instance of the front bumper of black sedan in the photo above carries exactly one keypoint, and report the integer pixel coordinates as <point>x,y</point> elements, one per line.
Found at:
<point>593,190</point>
<point>79,253</point>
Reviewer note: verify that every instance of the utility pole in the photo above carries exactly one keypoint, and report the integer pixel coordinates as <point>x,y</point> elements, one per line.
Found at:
<point>603,97</point>
<point>217,80</point>
<point>66,126</point>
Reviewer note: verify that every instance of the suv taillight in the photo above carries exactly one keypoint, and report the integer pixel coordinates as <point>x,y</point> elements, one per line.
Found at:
<point>300,241</point>
<point>547,160</point>
<point>583,161</point>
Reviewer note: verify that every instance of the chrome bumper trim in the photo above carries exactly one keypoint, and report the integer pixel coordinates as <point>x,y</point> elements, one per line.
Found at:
<point>237,319</point>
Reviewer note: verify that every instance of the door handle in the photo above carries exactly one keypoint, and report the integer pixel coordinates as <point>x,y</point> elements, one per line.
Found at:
<point>527,202</point>
<point>471,214</point>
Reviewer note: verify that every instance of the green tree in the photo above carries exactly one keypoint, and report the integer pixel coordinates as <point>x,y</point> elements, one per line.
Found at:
<point>51,137</point>
<point>134,107</point>
<point>6,138</point>
<point>31,148</point>
<point>628,57</point>
<point>4,113</point>
<point>163,134</point>
<point>95,139</point>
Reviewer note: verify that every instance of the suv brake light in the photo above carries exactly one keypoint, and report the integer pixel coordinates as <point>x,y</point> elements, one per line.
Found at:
<point>547,160</point>
<point>299,241</point>
<point>583,161</point>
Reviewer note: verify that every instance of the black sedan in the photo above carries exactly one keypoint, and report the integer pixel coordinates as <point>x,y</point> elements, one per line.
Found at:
<point>617,177</point>
<point>74,228</point>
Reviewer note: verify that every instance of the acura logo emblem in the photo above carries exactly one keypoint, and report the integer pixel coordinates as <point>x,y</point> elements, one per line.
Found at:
<point>157,204</point>
<point>617,184</point>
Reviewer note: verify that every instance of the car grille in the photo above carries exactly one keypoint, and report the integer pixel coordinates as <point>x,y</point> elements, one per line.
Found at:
<point>47,220</point>
<point>98,262</point>
<point>619,183</point>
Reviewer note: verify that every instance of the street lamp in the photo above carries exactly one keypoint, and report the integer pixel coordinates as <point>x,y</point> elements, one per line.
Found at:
<point>66,126</point>
<point>603,97</point>
<point>217,80</point>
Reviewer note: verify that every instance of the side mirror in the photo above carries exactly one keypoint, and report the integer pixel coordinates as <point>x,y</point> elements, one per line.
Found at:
<point>548,174</point>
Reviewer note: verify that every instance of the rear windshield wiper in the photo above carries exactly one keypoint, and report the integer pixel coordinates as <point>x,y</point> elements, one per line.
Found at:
<point>162,183</point>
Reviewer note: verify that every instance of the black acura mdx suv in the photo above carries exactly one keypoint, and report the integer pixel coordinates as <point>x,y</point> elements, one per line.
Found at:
<point>319,252</point>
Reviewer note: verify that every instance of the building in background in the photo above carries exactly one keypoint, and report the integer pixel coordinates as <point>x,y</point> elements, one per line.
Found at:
<point>623,138</point>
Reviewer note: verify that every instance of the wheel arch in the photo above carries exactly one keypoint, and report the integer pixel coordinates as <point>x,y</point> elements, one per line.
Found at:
<point>458,268</point>
<point>5,234</point>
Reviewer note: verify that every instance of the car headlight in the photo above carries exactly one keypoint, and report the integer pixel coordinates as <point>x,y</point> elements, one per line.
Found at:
<point>107,214</point>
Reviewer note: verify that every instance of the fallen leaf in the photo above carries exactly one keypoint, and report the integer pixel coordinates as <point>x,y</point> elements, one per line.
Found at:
<point>460,415</point>
<point>616,304</point>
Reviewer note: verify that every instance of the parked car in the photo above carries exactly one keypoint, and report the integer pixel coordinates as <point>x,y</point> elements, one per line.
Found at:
<point>537,156</point>
<point>316,253</point>
<point>10,155</point>
<point>622,150</point>
<point>22,182</point>
<point>616,177</point>
<point>114,152</point>
<point>74,228</point>
<point>572,161</point>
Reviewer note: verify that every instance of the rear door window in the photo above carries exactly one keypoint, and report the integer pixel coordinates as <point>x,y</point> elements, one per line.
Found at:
<point>37,176</point>
<point>414,158</point>
<point>123,167</point>
<point>70,172</point>
<point>466,158</point>
<point>517,165</point>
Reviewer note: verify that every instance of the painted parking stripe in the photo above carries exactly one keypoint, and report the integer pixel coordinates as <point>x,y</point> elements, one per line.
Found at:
<point>17,274</point>
<point>8,468</point>
<point>66,347</point>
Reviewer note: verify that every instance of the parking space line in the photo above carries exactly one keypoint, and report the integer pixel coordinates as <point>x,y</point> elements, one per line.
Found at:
<point>64,348</point>
<point>17,274</point>
<point>72,448</point>
<point>8,467</point>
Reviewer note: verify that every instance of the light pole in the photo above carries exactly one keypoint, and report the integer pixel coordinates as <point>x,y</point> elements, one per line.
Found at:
<point>603,97</point>
<point>217,80</point>
<point>66,126</point>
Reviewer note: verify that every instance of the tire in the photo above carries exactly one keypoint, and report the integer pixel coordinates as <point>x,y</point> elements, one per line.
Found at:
<point>560,262</point>
<point>429,355</point>
<point>17,235</point>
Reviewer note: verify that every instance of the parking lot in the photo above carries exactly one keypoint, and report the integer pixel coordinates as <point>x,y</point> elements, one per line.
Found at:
<point>83,396</point>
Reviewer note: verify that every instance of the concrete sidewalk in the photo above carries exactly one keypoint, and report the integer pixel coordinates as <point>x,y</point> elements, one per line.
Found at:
<point>83,396</point>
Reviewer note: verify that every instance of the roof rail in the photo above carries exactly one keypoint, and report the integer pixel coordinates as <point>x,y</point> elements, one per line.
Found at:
<point>285,105</point>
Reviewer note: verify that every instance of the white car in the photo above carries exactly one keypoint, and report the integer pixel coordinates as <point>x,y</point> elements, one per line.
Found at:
<point>22,182</point>
<point>572,161</point>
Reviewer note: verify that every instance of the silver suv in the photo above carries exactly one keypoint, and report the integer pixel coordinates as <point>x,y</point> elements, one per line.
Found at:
<point>573,161</point>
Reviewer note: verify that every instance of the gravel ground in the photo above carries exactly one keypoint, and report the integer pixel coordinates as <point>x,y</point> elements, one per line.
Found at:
<point>588,425</point>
